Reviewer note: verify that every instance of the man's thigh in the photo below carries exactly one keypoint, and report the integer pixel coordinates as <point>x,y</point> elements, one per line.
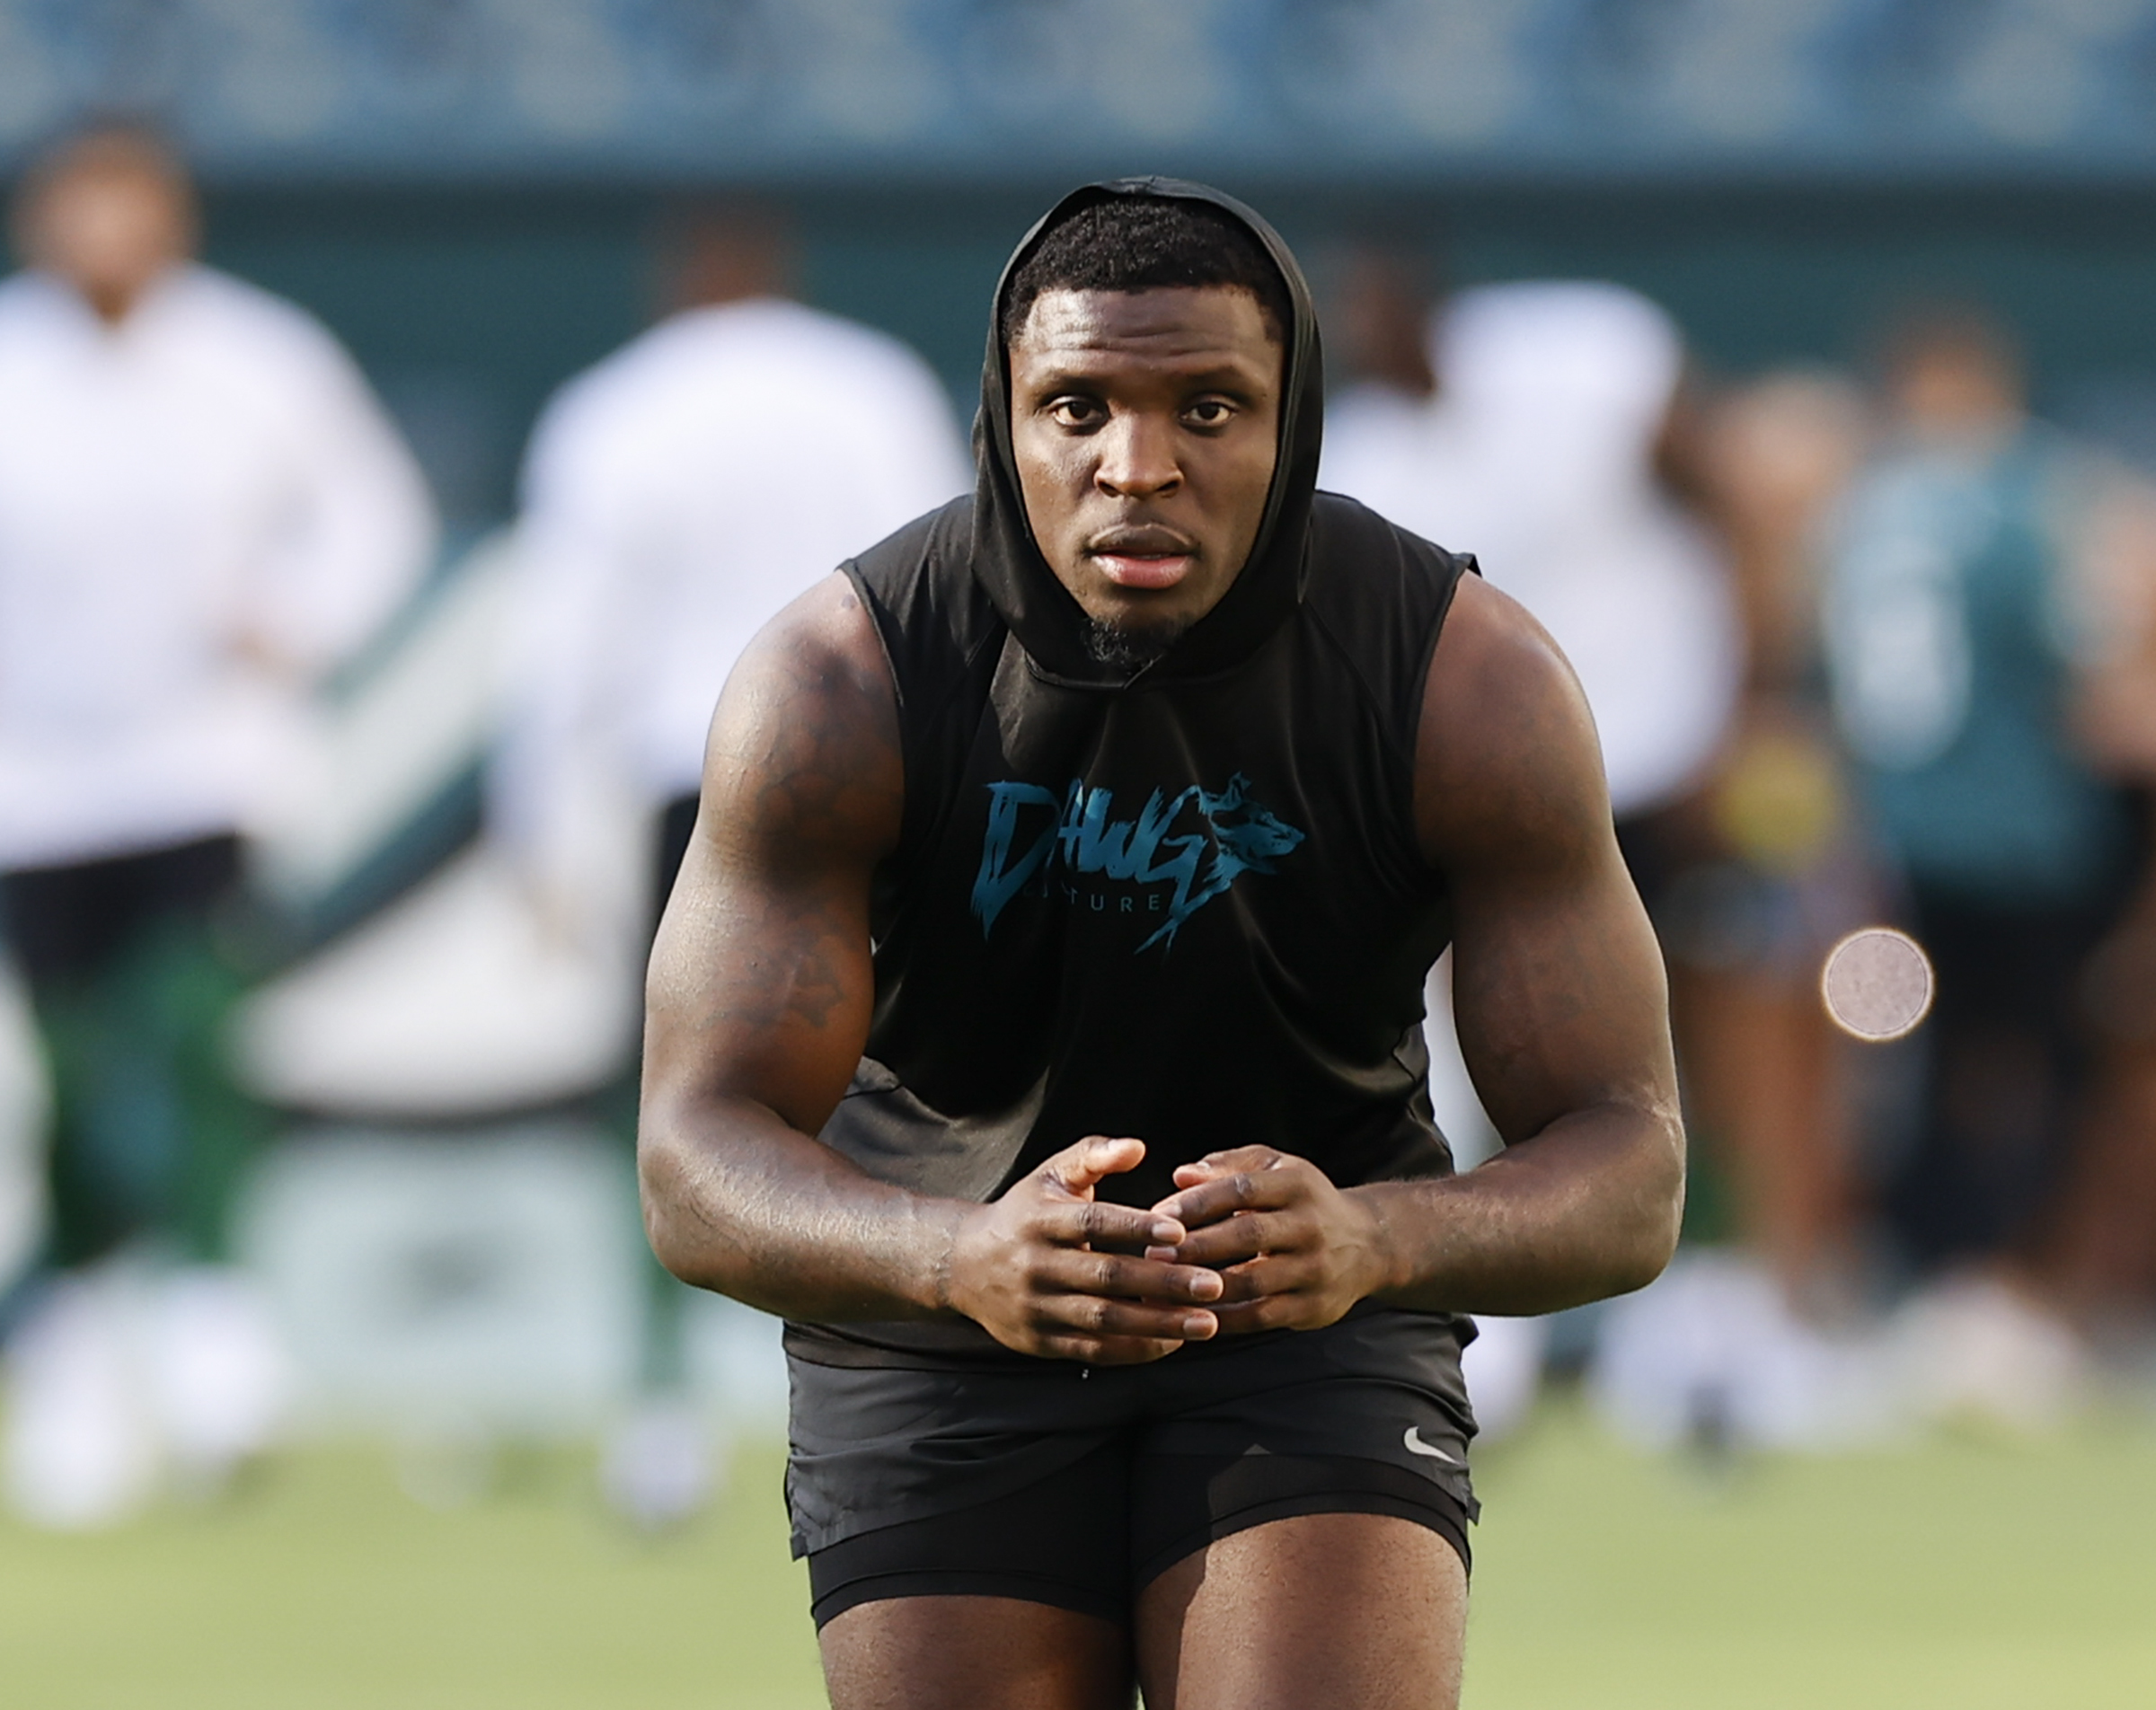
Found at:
<point>974,1654</point>
<point>1361,1610</point>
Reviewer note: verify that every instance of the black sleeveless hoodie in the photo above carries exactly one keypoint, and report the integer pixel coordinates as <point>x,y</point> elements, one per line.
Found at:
<point>1185,905</point>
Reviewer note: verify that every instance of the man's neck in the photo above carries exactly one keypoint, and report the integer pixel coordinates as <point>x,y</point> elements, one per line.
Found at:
<point>115,304</point>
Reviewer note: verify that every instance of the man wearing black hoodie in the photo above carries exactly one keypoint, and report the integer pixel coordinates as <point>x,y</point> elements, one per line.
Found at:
<point>1036,1023</point>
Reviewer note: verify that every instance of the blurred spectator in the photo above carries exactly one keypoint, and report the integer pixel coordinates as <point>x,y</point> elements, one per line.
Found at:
<point>1783,876</point>
<point>1529,437</point>
<point>1383,329</point>
<point>675,497</point>
<point>202,509</point>
<point>2097,1258</point>
<point>1765,1343</point>
<point>1959,621</point>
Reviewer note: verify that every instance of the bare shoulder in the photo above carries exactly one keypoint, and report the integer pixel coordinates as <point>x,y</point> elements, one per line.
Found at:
<point>1507,766</point>
<point>760,983</point>
<point>804,757</point>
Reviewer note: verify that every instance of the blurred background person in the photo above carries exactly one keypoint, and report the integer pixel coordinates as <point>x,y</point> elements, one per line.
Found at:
<point>675,497</point>
<point>1523,425</point>
<point>2095,1257</point>
<point>1783,873</point>
<point>1766,1335</point>
<point>202,510</point>
<point>1385,321</point>
<point>1959,625</point>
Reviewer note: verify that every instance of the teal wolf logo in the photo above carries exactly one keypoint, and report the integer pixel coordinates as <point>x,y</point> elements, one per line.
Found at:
<point>1194,842</point>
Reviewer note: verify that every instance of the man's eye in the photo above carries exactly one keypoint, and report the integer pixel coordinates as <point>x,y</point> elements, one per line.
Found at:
<point>1077,412</point>
<point>1210,412</point>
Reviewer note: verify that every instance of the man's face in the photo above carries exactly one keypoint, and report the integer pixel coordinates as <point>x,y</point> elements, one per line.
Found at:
<point>109,229</point>
<point>1145,425</point>
<point>1957,392</point>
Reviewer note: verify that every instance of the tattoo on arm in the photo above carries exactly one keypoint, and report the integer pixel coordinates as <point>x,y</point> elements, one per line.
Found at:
<point>761,984</point>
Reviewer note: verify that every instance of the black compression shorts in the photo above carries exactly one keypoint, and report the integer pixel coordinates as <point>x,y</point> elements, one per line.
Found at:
<point>1076,1486</point>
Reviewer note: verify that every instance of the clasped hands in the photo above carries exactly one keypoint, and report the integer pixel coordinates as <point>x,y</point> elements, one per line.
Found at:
<point>1252,1239</point>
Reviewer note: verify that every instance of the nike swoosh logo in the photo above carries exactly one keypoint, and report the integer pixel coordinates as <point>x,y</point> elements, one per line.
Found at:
<point>1416,1446</point>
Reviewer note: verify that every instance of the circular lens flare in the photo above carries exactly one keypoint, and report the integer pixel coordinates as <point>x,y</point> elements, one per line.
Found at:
<point>1877,984</point>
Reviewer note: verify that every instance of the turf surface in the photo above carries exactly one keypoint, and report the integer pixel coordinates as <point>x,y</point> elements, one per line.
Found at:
<point>1954,1574</point>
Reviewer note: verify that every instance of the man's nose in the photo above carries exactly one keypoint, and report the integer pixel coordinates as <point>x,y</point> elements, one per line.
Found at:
<point>1137,458</point>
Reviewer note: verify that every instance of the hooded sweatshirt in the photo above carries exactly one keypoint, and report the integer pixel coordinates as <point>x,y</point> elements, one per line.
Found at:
<point>1185,904</point>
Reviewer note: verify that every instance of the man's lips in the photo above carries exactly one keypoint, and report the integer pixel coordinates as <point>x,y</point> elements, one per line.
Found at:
<point>1145,570</point>
<point>1145,556</point>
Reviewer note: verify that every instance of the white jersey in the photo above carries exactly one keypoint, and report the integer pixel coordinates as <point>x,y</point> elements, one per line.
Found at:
<point>1537,456</point>
<point>201,509</point>
<point>675,497</point>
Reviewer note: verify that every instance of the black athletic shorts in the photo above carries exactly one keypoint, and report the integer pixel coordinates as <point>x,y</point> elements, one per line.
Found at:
<point>1077,1485</point>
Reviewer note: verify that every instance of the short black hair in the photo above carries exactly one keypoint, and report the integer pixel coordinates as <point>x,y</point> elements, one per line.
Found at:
<point>1145,243</point>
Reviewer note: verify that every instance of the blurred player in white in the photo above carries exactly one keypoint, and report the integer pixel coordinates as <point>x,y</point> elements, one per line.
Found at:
<point>675,497</point>
<point>202,510</point>
<point>1536,450</point>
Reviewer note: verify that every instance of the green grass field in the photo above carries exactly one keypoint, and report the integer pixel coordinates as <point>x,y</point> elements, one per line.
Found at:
<point>1958,1573</point>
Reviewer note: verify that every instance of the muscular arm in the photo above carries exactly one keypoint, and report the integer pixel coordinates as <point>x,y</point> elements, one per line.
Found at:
<point>758,998</point>
<point>757,1010</point>
<point>1557,988</point>
<point>1563,1017</point>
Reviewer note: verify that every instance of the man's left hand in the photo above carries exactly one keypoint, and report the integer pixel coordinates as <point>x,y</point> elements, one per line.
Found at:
<point>1295,1251</point>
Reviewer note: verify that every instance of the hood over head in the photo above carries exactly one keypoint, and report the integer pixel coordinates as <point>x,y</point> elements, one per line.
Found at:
<point>1046,620</point>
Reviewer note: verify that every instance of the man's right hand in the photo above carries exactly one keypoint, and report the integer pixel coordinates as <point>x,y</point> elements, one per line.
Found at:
<point>1050,1270</point>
